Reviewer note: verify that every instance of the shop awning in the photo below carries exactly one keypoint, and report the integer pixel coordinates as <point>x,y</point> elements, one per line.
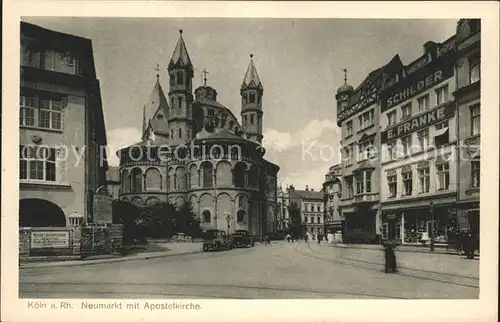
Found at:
<point>441,131</point>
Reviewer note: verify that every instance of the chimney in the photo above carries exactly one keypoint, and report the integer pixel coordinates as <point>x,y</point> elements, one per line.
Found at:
<point>429,47</point>
<point>307,188</point>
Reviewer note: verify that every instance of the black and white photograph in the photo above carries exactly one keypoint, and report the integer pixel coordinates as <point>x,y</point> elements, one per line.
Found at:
<point>177,159</point>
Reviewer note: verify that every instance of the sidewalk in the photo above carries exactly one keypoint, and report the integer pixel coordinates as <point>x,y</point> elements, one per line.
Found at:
<point>163,250</point>
<point>400,248</point>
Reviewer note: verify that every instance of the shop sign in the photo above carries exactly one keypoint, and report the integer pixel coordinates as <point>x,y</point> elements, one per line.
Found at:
<point>418,122</point>
<point>49,239</point>
<point>410,87</point>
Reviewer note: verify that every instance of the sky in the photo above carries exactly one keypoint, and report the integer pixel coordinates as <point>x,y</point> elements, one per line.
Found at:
<point>299,62</point>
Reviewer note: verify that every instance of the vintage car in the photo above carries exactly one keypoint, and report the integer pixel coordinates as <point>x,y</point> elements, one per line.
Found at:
<point>242,238</point>
<point>215,239</point>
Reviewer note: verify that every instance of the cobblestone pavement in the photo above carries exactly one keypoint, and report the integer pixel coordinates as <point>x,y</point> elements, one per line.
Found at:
<point>281,270</point>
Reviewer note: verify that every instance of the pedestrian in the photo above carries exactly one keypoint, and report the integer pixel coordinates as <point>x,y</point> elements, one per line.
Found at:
<point>288,237</point>
<point>390,257</point>
<point>469,246</point>
<point>326,238</point>
<point>320,238</point>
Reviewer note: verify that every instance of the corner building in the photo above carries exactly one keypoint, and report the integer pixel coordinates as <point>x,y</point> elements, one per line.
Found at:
<point>194,150</point>
<point>332,190</point>
<point>468,100</point>
<point>61,129</point>
<point>357,115</point>
<point>419,146</point>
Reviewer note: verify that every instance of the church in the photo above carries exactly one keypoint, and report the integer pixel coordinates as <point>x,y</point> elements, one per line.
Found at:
<point>194,149</point>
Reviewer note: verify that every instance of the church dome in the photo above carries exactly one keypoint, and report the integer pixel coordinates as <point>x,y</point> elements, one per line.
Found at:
<point>345,88</point>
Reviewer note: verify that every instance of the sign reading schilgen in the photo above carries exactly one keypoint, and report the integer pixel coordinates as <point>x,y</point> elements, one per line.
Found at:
<point>418,122</point>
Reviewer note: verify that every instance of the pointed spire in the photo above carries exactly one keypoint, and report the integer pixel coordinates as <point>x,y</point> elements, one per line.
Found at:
<point>180,54</point>
<point>143,119</point>
<point>251,77</point>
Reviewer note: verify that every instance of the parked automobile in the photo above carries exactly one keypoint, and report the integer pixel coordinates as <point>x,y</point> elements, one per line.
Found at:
<point>242,238</point>
<point>215,239</point>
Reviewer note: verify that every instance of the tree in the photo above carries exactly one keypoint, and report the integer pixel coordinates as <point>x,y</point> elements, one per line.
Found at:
<point>185,221</point>
<point>158,219</point>
<point>296,227</point>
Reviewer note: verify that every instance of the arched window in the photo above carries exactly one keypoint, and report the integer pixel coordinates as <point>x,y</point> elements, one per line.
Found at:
<point>172,79</point>
<point>152,201</point>
<point>153,179</point>
<point>180,133</point>
<point>170,179</point>
<point>239,175</point>
<point>254,177</point>
<point>224,174</point>
<point>193,176</point>
<point>137,201</point>
<point>180,78</point>
<point>245,98</point>
<point>179,102</point>
<point>207,175</point>
<point>252,97</point>
<point>207,217</point>
<point>180,175</point>
<point>125,182</point>
<point>240,216</point>
<point>136,180</point>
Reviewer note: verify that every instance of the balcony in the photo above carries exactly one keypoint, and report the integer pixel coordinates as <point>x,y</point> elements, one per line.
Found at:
<point>364,198</point>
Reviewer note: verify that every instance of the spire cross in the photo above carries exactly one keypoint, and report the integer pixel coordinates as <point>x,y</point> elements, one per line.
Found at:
<point>157,68</point>
<point>205,77</point>
<point>345,75</point>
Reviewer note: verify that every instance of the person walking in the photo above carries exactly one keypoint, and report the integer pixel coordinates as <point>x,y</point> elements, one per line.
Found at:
<point>390,257</point>
<point>288,237</point>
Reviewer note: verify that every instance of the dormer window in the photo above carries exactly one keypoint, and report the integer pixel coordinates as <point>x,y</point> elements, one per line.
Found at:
<point>180,78</point>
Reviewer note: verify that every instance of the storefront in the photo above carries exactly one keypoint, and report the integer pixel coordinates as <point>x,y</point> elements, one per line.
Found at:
<point>359,226</point>
<point>416,226</point>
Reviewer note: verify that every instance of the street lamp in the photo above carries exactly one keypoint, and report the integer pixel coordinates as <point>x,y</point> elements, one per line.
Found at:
<point>431,209</point>
<point>228,219</point>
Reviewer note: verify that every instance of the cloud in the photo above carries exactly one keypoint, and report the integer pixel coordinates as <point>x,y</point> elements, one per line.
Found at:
<point>314,130</point>
<point>120,138</point>
<point>313,178</point>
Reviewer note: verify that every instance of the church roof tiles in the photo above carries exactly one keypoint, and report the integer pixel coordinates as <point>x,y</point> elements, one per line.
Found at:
<point>180,55</point>
<point>251,77</point>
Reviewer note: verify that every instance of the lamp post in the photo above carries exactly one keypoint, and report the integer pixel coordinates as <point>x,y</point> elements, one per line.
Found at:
<point>228,219</point>
<point>431,233</point>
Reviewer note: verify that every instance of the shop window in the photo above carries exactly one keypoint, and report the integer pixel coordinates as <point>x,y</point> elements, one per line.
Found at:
<point>27,110</point>
<point>407,183</point>
<point>474,69</point>
<point>393,185</point>
<point>442,94</point>
<point>415,228</point>
<point>443,176</point>
<point>37,163</point>
<point>391,118</point>
<point>475,172</point>
<point>406,111</point>
<point>423,139</point>
<point>424,180</point>
<point>441,136</point>
<point>475,115</point>
<point>423,103</point>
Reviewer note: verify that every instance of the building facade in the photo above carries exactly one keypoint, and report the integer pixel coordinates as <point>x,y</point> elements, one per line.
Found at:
<point>419,147</point>
<point>357,115</point>
<point>113,182</point>
<point>311,207</point>
<point>332,190</point>
<point>283,210</point>
<point>467,98</point>
<point>194,150</point>
<point>61,163</point>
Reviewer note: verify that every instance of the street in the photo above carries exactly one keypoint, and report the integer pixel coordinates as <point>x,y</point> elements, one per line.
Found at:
<point>281,270</point>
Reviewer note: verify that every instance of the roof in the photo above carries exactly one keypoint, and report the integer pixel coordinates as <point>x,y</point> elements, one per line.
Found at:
<point>159,126</point>
<point>180,54</point>
<point>251,77</point>
<point>156,100</point>
<point>221,135</point>
<point>345,88</point>
<point>113,174</point>
<point>309,194</point>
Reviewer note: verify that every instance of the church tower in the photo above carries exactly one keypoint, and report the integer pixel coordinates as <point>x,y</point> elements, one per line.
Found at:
<point>181,72</point>
<point>251,95</point>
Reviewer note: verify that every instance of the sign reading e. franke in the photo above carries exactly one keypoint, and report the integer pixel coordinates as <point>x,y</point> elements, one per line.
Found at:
<point>418,122</point>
